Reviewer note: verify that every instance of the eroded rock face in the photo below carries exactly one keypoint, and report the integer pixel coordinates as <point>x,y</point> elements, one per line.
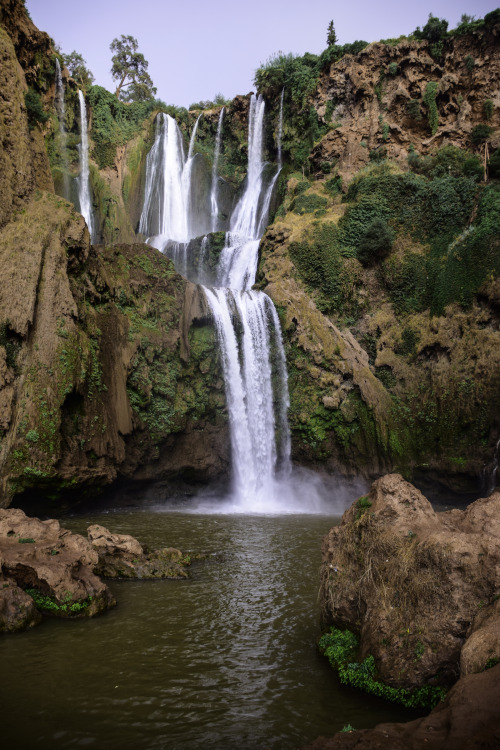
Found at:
<point>53,564</point>
<point>415,583</point>
<point>122,556</point>
<point>371,92</point>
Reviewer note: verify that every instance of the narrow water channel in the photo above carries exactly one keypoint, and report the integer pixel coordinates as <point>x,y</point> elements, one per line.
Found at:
<point>224,660</point>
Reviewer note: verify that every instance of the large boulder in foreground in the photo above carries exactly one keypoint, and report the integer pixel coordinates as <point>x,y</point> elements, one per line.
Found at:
<point>413,584</point>
<point>47,568</point>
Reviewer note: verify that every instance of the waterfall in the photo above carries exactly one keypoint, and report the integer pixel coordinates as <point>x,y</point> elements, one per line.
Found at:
<point>83,180</point>
<point>62,145</point>
<point>280,130</point>
<point>246,321</point>
<point>491,476</point>
<point>254,363</point>
<point>214,204</point>
<point>164,214</point>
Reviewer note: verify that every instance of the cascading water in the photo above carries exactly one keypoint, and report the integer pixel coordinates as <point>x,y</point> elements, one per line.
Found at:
<point>62,145</point>
<point>246,321</point>
<point>83,180</point>
<point>214,192</point>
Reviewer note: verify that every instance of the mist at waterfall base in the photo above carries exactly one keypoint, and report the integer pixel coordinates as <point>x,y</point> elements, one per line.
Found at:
<point>246,322</point>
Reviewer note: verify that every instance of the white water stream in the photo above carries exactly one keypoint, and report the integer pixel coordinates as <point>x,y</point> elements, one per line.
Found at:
<point>83,180</point>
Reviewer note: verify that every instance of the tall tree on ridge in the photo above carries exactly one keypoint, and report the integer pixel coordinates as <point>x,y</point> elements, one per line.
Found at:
<point>130,70</point>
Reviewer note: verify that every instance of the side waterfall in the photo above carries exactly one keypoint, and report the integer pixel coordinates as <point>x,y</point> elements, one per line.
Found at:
<point>246,321</point>
<point>62,145</point>
<point>214,192</point>
<point>83,180</point>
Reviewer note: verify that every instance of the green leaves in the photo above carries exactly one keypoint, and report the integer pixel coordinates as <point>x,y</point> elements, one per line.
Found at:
<point>130,70</point>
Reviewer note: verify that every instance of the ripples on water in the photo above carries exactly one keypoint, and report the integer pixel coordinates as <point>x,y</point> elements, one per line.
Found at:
<point>226,659</point>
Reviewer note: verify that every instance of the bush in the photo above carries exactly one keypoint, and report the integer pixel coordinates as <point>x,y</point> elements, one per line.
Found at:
<point>480,134</point>
<point>430,101</point>
<point>307,204</point>
<point>488,108</point>
<point>413,109</point>
<point>434,30</point>
<point>494,164</point>
<point>375,243</point>
<point>34,109</point>
<point>378,154</point>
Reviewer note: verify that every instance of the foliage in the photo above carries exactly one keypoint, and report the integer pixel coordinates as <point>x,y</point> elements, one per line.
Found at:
<point>488,108</point>
<point>297,76</point>
<point>331,36</point>
<point>219,100</point>
<point>447,161</point>
<point>494,164</point>
<point>48,604</point>
<point>130,70</point>
<point>469,63</point>
<point>433,31</point>
<point>114,122</point>
<point>340,647</point>
<point>308,203</point>
<point>392,69</point>
<point>480,134</point>
<point>318,259</point>
<point>34,108</point>
<point>430,100</point>
<point>376,242</point>
<point>413,109</point>
<point>77,67</point>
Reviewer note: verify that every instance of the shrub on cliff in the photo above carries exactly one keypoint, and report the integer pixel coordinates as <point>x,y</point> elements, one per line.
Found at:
<point>376,242</point>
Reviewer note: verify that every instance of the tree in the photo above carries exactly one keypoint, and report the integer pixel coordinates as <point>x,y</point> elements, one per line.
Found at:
<point>130,70</point>
<point>78,70</point>
<point>434,30</point>
<point>331,38</point>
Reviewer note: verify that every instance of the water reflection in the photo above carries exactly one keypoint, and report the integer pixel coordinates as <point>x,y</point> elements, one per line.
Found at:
<point>224,660</point>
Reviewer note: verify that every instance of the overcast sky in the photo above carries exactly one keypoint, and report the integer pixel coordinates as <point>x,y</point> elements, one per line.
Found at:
<point>198,48</point>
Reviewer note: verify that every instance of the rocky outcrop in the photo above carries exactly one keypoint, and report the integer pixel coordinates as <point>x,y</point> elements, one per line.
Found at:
<point>122,556</point>
<point>415,584</point>
<point>94,386</point>
<point>376,99</point>
<point>466,720</point>
<point>48,569</point>
<point>422,591</point>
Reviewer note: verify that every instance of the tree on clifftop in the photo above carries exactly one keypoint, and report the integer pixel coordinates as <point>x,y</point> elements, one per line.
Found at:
<point>130,70</point>
<point>78,69</point>
<point>331,37</point>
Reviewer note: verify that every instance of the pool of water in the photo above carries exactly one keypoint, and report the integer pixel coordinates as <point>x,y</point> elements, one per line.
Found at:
<point>226,659</point>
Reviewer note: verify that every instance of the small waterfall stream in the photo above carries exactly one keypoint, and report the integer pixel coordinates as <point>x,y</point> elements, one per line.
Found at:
<point>83,180</point>
<point>246,321</point>
<point>214,191</point>
<point>60,106</point>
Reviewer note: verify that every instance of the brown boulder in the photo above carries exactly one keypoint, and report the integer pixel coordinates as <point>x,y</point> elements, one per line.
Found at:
<point>52,563</point>
<point>411,582</point>
<point>17,609</point>
<point>122,556</point>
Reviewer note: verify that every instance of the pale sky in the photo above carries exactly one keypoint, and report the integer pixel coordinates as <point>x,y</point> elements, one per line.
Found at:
<point>198,48</point>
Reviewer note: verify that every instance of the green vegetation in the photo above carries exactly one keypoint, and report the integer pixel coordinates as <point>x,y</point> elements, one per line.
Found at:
<point>430,101</point>
<point>114,122</point>
<point>34,108</point>
<point>68,607</point>
<point>298,76</point>
<point>341,646</point>
<point>129,69</point>
<point>78,70</point>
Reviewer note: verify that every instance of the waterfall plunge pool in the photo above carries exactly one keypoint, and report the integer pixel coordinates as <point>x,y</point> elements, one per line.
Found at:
<point>225,659</point>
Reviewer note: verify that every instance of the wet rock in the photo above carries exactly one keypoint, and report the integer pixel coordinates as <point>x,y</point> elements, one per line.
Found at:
<point>53,565</point>
<point>122,556</point>
<point>17,609</point>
